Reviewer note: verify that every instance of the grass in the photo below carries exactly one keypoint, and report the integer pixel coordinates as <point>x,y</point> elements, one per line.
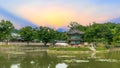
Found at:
<point>100,48</point>
<point>76,48</point>
<point>70,49</point>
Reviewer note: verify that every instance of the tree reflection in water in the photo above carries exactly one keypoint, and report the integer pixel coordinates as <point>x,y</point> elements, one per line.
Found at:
<point>4,63</point>
<point>43,60</point>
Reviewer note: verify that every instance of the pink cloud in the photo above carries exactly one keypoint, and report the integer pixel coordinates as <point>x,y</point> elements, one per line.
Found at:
<point>60,16</point>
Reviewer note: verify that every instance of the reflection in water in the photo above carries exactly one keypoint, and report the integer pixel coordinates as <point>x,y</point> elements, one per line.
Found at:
<point>44,60</point>
<point>61,65</point>
<point>15,66</point>
<point>41,61</point>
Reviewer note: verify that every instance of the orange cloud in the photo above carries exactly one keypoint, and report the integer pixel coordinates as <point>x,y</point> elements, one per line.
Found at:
<point>60,13</point>
<point>59,16</point>
<point>52,16</point>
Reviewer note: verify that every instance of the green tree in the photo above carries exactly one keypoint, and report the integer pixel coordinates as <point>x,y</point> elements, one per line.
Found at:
<point>116,37</point>
<point>76,25</point>
<point>46,34</point>
<point>27,34</point>
<point>35,35</point>
<point>6,28</point>
<point>61,36</point>
<point>99,33</point>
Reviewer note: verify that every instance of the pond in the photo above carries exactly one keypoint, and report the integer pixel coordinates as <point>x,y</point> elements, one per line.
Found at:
<point>43,59</point>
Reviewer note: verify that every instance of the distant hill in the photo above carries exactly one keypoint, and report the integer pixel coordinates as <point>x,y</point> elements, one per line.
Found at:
<point>115,20</point>
<point>62,29</point>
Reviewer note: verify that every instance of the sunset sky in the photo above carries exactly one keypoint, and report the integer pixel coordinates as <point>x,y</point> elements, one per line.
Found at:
<point>58,13</point>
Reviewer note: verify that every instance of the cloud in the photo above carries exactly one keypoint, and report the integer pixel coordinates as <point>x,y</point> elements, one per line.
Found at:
<point>59,13</point>
<point>48,16</point>
<point>16,20</point>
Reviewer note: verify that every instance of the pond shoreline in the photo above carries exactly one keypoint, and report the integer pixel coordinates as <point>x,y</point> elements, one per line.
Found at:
<point>21,49</point>
<point>76,52</point>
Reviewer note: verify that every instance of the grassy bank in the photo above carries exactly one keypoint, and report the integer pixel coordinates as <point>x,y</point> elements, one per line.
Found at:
<point>100,48</point>
<point>69,48</point>
<point>76,51</point>
<point>76,48</point>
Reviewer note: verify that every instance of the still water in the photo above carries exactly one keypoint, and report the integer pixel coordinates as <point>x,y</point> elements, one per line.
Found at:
<point>43,59</point>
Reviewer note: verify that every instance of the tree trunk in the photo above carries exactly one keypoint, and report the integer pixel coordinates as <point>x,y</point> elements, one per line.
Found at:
<point>2,42</point>
<point>7,42</point>
<point>27,43</point>
<point>45,44</point>
<point>53,43</point>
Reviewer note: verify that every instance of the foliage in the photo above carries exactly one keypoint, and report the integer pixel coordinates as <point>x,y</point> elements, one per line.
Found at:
<point>27,34</point>
<point>105,32</point>
<point>6,28</point>
<point>61,36</point>
<point>100,48</point>
<point>75,25</point>
<point>46,34</point>
<point>98,32</point>
<point>116,37</point>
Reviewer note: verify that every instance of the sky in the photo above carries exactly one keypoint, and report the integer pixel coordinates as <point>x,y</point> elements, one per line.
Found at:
<point>58,13</point>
